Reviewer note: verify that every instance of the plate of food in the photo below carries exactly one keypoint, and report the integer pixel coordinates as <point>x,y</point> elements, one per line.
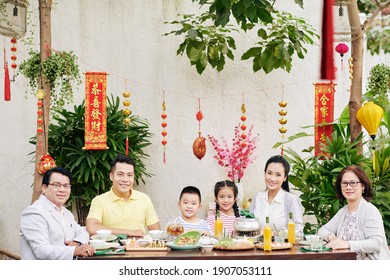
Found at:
<point>174,246</point>
<point>275,245</point>
<point>232,244</point>
<point>188,239</point>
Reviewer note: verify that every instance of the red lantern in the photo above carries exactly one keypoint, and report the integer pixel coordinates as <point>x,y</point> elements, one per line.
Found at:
<point>46,163</point>
<point>342,49</point>
<point>199,145</point>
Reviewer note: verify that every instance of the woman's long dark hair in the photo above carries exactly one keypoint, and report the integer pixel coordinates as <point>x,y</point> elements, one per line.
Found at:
<point>286,165</point>
<point>227,183</point>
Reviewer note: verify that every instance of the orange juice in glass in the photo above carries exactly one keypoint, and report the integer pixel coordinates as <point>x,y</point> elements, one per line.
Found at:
<point>218,226</point>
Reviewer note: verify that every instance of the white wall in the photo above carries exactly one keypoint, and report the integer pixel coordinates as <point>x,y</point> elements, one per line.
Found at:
<point>125,39</point>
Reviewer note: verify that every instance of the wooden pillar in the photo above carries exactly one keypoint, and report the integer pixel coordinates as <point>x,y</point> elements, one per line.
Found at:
<point>45,51</point>
<point>355,99</point>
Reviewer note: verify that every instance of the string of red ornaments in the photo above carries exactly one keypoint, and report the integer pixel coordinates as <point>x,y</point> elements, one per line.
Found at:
<point>40,94</point>
<point>164,125</point>
<point>13,56</point>
<point>243,125</point>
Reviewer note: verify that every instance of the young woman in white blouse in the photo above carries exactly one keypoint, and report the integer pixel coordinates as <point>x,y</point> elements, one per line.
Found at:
<point>276,201</point>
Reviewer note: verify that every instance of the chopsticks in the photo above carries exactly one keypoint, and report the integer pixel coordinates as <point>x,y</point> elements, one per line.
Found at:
<point>276,230</point>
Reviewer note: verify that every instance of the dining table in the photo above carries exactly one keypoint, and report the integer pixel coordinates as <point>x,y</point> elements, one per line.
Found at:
<point>293,253</point>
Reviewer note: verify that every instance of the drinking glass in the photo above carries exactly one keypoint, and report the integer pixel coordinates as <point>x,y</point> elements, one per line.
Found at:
<point>316,243</point>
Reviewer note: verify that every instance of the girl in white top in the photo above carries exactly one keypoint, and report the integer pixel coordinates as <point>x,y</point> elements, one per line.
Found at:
<point>277,201</point>
<point>225,193</point>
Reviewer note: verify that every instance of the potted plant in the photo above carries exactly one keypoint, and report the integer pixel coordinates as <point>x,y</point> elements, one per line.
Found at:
<point>90,168</point>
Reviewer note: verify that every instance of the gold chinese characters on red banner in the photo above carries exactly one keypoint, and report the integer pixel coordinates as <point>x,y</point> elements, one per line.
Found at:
<point>95,111</point>
<point>324,115</point>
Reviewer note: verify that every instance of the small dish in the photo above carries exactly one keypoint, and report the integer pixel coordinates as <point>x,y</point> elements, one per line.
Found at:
<point>103,233</point>
<point>143,242</point>
<point>206,248</point>
<point>110,238</point>
<point>173,246</point>
<point>156,234</point>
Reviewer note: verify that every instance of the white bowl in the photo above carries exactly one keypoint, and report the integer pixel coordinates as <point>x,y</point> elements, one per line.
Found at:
<point>103,233</point>
<point>206,248</point>
<point>96,243</point>
<point>143,242</point>
<point>156,234</point>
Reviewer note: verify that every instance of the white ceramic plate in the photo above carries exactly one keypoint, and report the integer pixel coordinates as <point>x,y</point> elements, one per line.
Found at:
<point>110,238</point>
<point>108,246</point>
<point>307,243</point>
<point>185,247</point>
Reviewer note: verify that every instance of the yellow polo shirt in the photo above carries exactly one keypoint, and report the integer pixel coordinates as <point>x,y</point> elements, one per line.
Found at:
<point>133,214</point>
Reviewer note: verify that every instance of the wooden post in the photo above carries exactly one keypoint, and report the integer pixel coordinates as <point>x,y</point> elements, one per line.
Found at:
<point>45,51</point>
<point>355,99</point>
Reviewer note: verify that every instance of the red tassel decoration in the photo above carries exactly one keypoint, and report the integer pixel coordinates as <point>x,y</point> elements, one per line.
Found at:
<point>327,63</point>
<point>7,82</point>
<point>127,145</point>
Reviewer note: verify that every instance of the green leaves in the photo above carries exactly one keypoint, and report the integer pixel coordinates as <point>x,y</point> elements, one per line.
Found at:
<point>204,44</point>
<point>279,42</point>
<point>60,69</point>
<point>207,39</point>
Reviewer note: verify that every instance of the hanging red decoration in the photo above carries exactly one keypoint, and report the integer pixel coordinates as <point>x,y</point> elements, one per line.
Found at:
<point>164,124</point>
<point>126,120</point>
<point>7,82</point>
<point>199,145</point>
<point>13,56</point>
<point>327,63</point>
<point>342,49</point>
<point>46,163</point>
<point>243,125</point>
<point>40,94</point>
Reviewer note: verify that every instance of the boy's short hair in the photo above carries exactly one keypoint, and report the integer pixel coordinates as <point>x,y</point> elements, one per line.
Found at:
<point>191,189</point>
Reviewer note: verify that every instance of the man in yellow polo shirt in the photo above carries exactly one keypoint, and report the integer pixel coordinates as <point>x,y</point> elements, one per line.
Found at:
<point>122,209</point>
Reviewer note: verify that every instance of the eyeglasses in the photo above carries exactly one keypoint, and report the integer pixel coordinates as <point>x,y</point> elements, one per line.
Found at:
<point>57,185</point>
<point>353,184</point>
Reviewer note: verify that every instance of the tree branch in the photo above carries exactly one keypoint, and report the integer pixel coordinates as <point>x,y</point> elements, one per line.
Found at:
<point>367,23</point>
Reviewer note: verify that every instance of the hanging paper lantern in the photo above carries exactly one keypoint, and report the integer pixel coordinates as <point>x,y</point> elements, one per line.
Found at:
<point>199,145</point>
<point>46,162</point>
<point>342,49</point>
<point>370,116</point>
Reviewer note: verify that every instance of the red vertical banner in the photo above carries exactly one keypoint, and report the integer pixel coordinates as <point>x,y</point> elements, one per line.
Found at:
<point>95,111</point>
<point>324,115</point>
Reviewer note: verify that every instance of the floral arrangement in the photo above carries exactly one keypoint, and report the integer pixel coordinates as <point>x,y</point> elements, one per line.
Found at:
<point>237,158</point>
